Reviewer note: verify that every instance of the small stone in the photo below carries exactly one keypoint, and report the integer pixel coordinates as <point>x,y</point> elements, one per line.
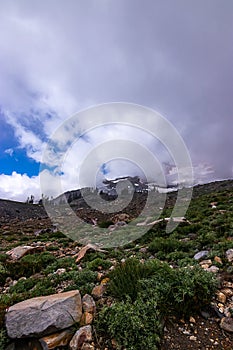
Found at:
<point>98,291</point>
<point>100,276</point>
<point>84,250</point>
<point>114,343</point>
<point>221,297</point>
<point>218,260</point>
<point>213,269</point>
<point>205,266</point>
<point>143,250</point>
<point>206,262</point>
<point>60,271</point>
<point>105,280</point>
<point>83,335</point>
<point>193,338</point>
<point>229,255</point>
<point>87,318</point>
<point>221,308</point>
<point>192,319</point>
<point>227,324</point>
<point>200,255</point>
<point>88,304</point>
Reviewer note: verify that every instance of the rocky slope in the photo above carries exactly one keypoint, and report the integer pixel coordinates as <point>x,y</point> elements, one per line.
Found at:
<point>53,289</point>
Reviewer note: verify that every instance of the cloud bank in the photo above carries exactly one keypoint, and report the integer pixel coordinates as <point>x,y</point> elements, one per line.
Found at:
<point>175,57</point>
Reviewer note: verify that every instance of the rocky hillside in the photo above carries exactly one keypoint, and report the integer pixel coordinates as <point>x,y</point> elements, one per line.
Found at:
<point>163,291</point>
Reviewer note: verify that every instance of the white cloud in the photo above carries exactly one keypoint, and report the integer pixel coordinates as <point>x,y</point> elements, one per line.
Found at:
<point>26,138</point>
<point>19,187</point>
<point>9,151</point>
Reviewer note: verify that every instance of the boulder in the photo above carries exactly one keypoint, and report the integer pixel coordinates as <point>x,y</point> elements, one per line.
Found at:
<point>20,251</point>
<point>44,315</point>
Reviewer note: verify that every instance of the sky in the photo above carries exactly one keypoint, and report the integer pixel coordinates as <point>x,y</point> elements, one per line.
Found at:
<point>61,58</point>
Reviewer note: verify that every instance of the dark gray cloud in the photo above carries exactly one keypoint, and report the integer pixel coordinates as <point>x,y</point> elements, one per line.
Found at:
<point>173,56</point>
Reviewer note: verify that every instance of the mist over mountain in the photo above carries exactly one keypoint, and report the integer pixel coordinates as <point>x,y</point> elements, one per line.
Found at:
<point>57,60</point>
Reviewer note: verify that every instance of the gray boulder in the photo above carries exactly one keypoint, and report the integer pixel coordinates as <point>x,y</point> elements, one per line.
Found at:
<point>40,316</point>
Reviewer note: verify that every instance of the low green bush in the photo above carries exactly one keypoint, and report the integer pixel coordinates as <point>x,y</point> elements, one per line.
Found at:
<point>23,286</point>
<point>98,262</point>
<point>66,263</point>
<point>124,279</point>
<point>3,339</point>
<point>134,326</point>
<point>180,290</point>
<point>29,265</point>
<point>83,280</point>
<point>164,245</point>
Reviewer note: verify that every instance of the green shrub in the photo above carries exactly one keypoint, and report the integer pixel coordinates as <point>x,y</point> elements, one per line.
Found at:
<point>3,339</point>
<point>66,263</point>
<point>193,289</point>
<point>134,326</point>
<point>187,262</point>
<point>124,279</point>
<point>23,286</point>
<point>29,265</point>
<point>180,290</point>
<point>164,245</point>
<point>176,256</point>
<point>207,238</point>
<point>96,263</point>
<point>82,280</point>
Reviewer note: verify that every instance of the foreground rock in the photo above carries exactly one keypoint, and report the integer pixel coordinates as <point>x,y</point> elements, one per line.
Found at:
<point>82,336</point>
<point>58,339</point>
<point>44,315</point>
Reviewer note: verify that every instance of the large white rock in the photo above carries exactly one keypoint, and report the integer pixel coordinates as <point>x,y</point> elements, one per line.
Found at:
<point>44,315</point>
